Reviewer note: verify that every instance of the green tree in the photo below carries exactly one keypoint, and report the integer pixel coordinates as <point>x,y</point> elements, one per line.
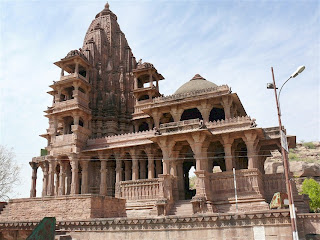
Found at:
<point>312,189</point>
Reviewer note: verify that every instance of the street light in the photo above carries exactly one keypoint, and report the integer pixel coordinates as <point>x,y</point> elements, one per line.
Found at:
<point>284,151</point>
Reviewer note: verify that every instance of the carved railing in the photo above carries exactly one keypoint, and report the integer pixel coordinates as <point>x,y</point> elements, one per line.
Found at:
<point>69,104</point>
<point>140,189</point>
<point>249,184</point>
<point>190,94</point>
<point>73,75</point>
<point>180,126</point>
<point>231,124</point>
<point>62,140</point>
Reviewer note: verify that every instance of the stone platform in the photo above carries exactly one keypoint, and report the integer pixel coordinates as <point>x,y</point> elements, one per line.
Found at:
<point>264,225</point>
<point>76,207</point>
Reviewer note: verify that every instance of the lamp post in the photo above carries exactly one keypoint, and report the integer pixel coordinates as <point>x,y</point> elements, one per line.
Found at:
<point>284,151</point>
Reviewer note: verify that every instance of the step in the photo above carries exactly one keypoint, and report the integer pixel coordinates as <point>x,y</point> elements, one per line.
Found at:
<point>182,207</point>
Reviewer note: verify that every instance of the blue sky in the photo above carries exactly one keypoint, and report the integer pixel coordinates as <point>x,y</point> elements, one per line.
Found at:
<point>227,42</point>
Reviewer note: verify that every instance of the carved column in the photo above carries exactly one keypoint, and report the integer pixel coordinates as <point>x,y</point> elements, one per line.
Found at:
<point>135,165</point>
<point>56,183</point>
<point>62,179</point>
<point>251,140</point>
<point>196,144</point>
<point>205,109</point>
<point>150,79</point>
<point>76,70</point>
<point>44,167</point>
<point>150,165</point>
<point>75,176</point>
<point>33,191</point>
<point>52,166</point>
<point>227,144</point>
<point>103,182</point>
<point>226,103</point>
<point>118,170</point>
<point>180,179</point>
<point>84,177</point>
<point>176,113</point>
<point>166,146</point>
<point>156,118</point>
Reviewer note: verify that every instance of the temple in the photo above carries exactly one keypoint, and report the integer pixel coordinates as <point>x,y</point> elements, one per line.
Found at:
<point>115,140</point>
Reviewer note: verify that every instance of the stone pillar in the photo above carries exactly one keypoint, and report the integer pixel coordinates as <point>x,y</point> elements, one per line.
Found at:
<point>227,144</point>
<point>226,103</point>
<point>118,170</point>
<point>205,109</point>
<point>176,113</point>
<point>84,175</point>
<point>166,145</point>
<point>52,166</point>
<point>76,70</point>
<point>62,179</point>
<point>33,191</point>
<point>44,167</point>
<point>150,79</point>
<point>56,183</point>
<point>250,138</point>
<point>75,176</point>
<point>62,72</point>
<point>127,171</point>
<point>180,179</point>
<point>103,182</point>
<point>135,165</point>
<point>135,81</point>
<point>150,166</point>
<point>156,118</point>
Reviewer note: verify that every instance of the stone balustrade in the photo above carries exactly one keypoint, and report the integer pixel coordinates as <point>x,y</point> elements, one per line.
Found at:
<point>175,97</point>
<point>231,124</point>
<point>70,104</point>
<point>74,75</point>
<point>63,140</point>
<point>185,125</point>
<point>140,189</point>
<point>249,185</point>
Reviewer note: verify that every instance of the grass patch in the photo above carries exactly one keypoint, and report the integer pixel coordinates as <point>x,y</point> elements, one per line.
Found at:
<point>293,157</point>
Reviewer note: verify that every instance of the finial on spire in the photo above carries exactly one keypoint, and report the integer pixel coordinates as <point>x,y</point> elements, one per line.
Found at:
<point>106,6</point>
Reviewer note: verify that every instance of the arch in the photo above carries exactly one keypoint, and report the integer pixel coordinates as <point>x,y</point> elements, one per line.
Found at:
<point>240,154</point>
<point>68,93</point>
<point>216,114</point>
<point>144,126</point>
<point>67,123</point>
<point>143,164</point>
<point>166,118</point>
<point>191,113</point>
<point>143,97</point>
<point>216,156</point>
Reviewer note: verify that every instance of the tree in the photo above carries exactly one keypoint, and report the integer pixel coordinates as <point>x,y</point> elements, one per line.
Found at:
<point>312,189</point>
<point>9,172</point>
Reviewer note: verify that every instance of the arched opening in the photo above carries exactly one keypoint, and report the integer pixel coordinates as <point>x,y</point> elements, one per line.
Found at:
<point>216,114</point>
<point>143,97</point>
<point>140,83</point>
<point>216,157</point>
<point>166,118</point>
<point>81,122</point>
<point>185,171</point>
<point>68,93</point>
<point>240,153</point>
<point>143,127</point>
<point>94,175</point>
<point>67,123</point>
<point>143,165</point>
<point>192,113</point>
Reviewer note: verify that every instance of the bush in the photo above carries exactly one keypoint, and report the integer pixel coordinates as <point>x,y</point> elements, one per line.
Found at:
<point>293,156</point>
<point>309,145</point>
<point>312,189</point>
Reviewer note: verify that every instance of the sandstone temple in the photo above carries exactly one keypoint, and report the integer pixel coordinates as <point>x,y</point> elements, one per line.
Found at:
<point>119,154</point>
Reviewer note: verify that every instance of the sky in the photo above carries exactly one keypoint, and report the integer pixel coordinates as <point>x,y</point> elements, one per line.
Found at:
<point>227,42</point>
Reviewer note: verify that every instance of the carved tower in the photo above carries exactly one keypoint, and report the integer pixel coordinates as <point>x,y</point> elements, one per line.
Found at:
<point>111,98</point>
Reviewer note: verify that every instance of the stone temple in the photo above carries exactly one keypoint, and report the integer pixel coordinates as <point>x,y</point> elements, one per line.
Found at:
<point>119,154</point>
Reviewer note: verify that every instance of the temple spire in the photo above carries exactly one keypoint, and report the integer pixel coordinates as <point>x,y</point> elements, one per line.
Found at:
<point>106,6</point>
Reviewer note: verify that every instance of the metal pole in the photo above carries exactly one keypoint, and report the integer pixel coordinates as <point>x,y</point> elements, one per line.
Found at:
<point>235,187</point>
<point>286,171</point>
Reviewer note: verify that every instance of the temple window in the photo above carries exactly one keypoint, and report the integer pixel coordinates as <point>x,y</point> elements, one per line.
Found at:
<point>216,114</point>
<point>68,122</point>
<point>216,157</point>
<point>144,97</point>
<point>143,127</point>
<point>192,113</point>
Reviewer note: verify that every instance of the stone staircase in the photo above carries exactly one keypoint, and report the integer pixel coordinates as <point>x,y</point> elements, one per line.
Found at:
<point>181,207</point>
<point>141,208</point>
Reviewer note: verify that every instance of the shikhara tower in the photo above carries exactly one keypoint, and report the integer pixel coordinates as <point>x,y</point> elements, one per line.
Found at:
<point>118,148</point>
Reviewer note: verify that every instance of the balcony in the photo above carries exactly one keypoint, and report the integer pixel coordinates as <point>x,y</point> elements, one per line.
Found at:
<point>74,76</point>
<point>181,126</point>
<point>70,104</point>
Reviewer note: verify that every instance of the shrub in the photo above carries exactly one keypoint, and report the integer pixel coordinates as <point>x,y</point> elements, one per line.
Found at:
<point>293,156</point>
<point>312,189</point>
<point>309,145</point>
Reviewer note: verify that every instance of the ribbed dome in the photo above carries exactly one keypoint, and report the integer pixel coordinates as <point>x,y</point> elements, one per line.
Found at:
<point>196,83</point>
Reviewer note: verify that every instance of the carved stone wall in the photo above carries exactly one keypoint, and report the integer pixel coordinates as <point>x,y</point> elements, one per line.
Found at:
<point>111,99</point>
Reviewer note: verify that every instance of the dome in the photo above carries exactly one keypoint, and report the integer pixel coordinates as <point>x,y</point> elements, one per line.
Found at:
<point>196,83</point>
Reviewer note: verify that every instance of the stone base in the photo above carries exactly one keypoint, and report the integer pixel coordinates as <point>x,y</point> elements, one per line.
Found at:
<point>73,207</point>
<point>264,225</point>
